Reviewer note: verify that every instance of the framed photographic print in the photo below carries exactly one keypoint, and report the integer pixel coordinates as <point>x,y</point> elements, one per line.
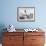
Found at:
<point>26,14</point>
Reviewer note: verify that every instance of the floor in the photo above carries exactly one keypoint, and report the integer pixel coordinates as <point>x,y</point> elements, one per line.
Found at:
<point>0,44</point>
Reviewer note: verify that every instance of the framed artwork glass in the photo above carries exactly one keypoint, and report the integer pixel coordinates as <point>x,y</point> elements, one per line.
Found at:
<point>26,14</point>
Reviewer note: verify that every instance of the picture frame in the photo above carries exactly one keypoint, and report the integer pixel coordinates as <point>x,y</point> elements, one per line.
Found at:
<point>26,14</point>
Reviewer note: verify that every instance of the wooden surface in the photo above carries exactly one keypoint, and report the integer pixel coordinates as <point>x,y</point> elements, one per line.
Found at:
<point>23,38</point>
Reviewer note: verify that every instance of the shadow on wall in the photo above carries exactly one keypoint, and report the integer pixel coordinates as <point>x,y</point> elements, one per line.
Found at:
<point>2,26</point>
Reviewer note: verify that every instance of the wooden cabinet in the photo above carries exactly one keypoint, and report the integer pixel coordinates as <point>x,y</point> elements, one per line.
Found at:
<point>23,39</point>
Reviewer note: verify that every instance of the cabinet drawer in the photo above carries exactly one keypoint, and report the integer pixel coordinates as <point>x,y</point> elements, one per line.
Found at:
<point>33,40</point>
<point>12,39</point>
<point>13,33</point>
<point>37,44</point>
<point>20,44</point>
<point>8,44</point>
<point>37,39</point>
<point>34,33</point>
<point>16,41</point>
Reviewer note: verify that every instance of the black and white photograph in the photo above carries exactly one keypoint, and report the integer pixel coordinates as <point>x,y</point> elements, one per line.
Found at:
<point>26,14</point>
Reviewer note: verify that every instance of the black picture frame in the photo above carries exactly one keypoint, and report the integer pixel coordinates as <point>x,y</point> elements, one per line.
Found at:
<point>25,14</point>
